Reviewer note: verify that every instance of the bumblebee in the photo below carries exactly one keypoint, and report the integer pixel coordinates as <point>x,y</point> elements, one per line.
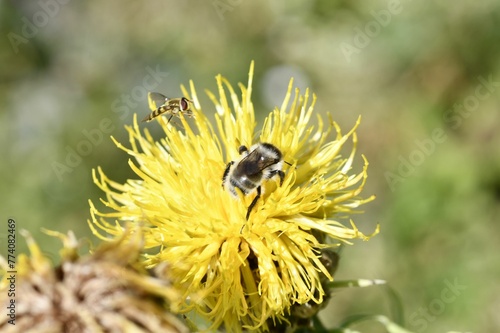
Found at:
<point>160,104</point>
<point>261,162</point>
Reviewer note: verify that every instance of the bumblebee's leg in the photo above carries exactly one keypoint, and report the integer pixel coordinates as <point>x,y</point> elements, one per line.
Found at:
<point>242,149</point>
<point>280,173</point>
<point>254,201</point>
<point>226,172</point>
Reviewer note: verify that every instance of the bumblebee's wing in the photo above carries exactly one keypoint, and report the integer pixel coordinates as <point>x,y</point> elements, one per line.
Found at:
<point>254,163</point>
<point>156,100</point>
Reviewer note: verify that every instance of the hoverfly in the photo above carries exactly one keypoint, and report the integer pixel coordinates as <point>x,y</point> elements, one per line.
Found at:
<point>160,104</point>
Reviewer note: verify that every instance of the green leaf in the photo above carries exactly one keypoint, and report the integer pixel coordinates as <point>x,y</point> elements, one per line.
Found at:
<point>390,326</point>
<point>355,283</point>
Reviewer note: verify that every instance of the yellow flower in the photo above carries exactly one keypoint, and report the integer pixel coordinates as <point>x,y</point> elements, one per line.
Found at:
<point>235,271</point>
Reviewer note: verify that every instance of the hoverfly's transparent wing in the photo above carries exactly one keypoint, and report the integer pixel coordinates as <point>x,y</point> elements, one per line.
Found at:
<point>156,100</point>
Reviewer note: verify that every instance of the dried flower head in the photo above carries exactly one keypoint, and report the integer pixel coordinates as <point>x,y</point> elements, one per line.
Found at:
<point>243,271</point>
<point>102,292</point>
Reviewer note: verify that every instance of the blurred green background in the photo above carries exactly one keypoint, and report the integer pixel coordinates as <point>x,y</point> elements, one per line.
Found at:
<point>424,76</point>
